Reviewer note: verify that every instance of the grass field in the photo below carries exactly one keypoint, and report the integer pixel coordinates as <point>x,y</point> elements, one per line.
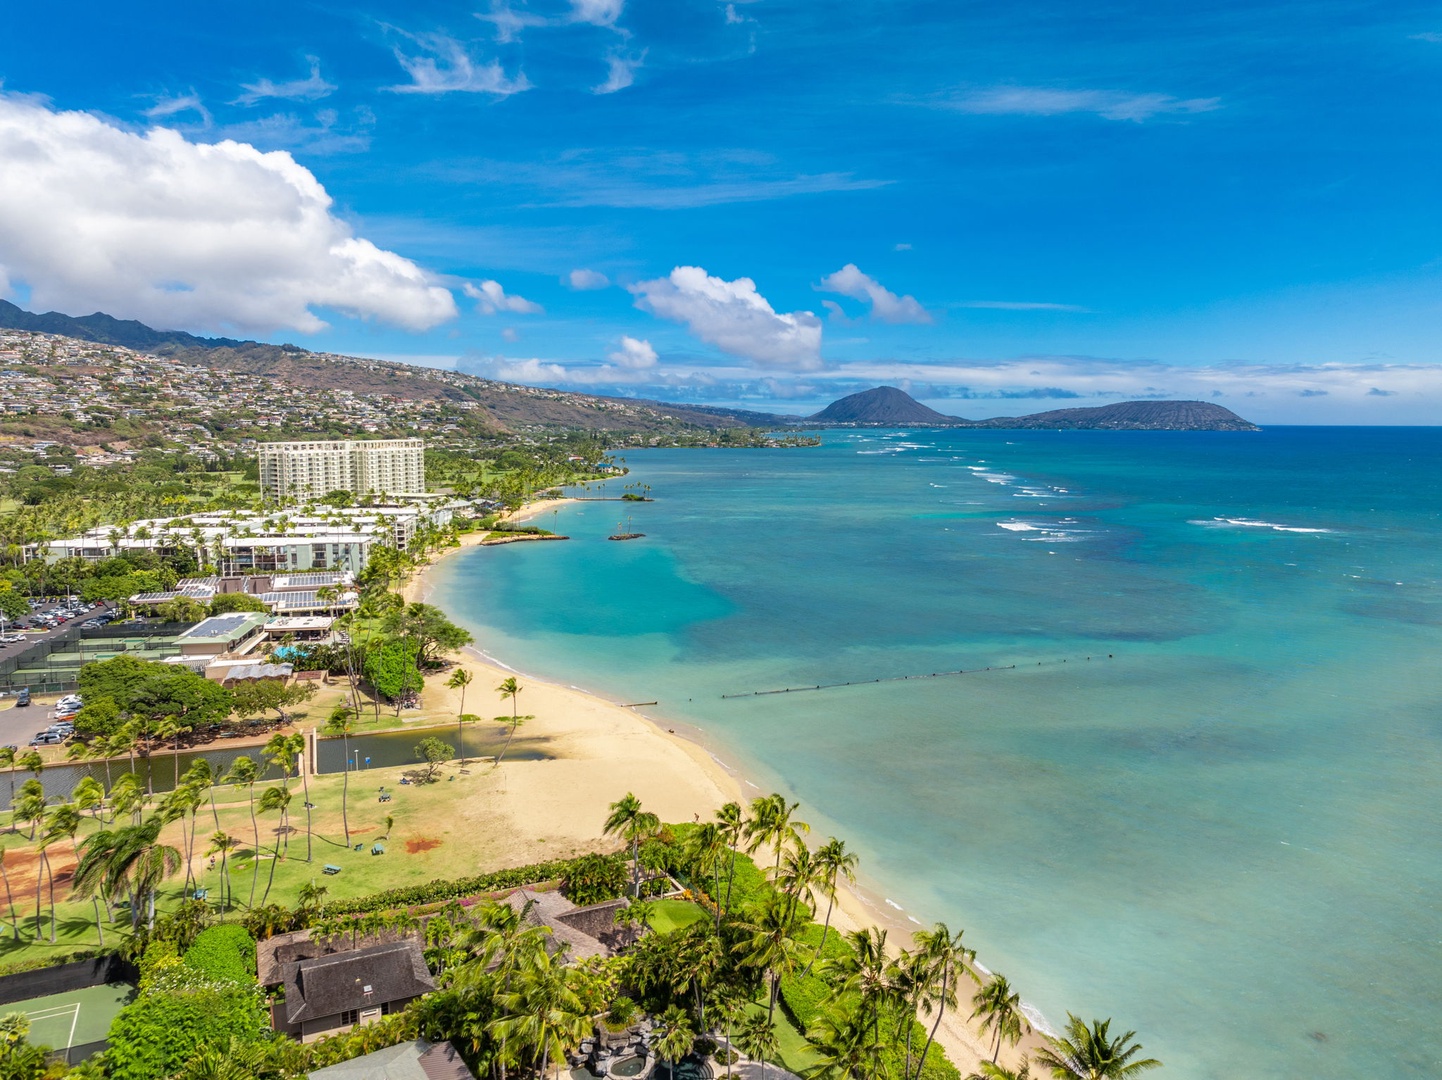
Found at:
<point>448,829</point>
<point>669,915</point>
<point>61,1021</point>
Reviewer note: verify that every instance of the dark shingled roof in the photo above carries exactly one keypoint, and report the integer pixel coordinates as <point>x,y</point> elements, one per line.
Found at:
<point>334,984</point>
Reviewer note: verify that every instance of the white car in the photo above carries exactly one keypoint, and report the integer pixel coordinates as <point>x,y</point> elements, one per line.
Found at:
<point>69,700</point>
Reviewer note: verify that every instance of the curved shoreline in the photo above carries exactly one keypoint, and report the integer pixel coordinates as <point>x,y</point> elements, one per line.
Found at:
<point>618,735</point>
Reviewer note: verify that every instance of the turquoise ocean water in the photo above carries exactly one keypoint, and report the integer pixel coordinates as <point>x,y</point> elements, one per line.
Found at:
<point>1224,829</point>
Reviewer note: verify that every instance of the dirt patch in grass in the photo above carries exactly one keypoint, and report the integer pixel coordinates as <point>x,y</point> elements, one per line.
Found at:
<point>425,843</point>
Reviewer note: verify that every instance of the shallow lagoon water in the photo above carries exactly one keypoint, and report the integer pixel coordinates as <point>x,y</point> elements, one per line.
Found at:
<point>1198,792</point>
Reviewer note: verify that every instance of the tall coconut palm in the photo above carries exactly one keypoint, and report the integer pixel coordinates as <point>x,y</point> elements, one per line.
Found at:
<point>1089,1053</point>
<point>201,776</point>
<point>707,847</point>
<point>510,688</point>
<point>513,721</point>
<point>798,876</point>
<point>999,1009</point>
<point>30,805</point>
<point>834,865</point>
<point>771,823</point>
<point>275,798</point>
<point>946,959</point>
<point>990,1070</point>
<point>633,824</point>
<point>171,728</point>
<point>243,770</point>
<point>340,722</point>
<point>866,972</point>
<point>63,825</point>
<point>222,844</point>
<point>731,820</point>
<point>459,680</point>
<point>842,1040</point>
<point>768,941</point>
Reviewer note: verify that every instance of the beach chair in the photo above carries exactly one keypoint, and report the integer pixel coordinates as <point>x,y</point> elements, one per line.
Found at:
<point>358,847</point>
<point>330,869</point>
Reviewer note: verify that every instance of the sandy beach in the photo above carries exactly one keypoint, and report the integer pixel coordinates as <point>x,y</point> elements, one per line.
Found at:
<point>601,750</point>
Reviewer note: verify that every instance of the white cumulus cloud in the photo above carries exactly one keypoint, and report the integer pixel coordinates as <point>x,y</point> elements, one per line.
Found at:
<point>1108,104</point>
<point>586,280</point>
<point>312,88</point>
<point>635,354</point>
<point>734,317</point>
<point>175,233</point>
<point>886,306</point>
<point>491,298</point>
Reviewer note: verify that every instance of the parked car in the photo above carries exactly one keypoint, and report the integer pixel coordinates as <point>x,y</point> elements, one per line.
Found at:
<point>23,697</point>
<point>47,738</point>
<point>70,699</point>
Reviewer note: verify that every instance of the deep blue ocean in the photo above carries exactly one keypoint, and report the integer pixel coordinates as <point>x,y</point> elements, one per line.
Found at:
<point>1203,796</point>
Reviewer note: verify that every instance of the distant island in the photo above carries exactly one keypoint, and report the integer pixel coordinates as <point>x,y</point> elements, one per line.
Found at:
<point>886,406</point>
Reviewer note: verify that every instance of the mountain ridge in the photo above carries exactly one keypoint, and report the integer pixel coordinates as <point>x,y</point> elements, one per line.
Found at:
<point>889,406</point>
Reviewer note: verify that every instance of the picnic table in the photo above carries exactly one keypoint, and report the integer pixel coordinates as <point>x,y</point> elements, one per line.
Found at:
<point>331,868</point>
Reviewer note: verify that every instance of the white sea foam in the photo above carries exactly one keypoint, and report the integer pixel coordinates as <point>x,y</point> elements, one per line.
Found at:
<point>1018,526</point>
<point>1249,523</point>
<point>894,904</point>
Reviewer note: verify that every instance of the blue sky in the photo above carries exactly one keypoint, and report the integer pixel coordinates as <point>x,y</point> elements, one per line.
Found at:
<point>1003,208</point>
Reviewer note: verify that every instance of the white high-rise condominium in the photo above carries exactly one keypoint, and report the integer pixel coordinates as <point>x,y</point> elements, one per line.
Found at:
<point>290,470</point>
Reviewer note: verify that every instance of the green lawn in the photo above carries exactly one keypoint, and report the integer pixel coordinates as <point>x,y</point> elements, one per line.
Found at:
<point>797,1055</point>
<point>669,915</point>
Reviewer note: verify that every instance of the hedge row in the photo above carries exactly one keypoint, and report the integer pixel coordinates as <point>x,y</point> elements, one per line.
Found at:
<point>441,890</point>
<point>224,952</point>
<point>39,963</point>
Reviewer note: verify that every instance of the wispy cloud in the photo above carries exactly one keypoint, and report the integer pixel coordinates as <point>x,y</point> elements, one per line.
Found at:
<point>597,12</point>
<point>311,88</point>
<point>508,22</point>
<point>620,71</point>
<point>444,66</point>
<point>325,133</point>
<point>586,280</point>
<point>167,107</point>
<point>1020,305</point>
<point>1431,35</point>
<point>886,306</point>
<point>1047,101</point>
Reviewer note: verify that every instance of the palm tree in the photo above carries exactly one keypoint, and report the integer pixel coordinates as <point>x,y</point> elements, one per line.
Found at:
<point>771,823</point>
<point>127,797</point>
<point>732,823</point>
<point>339,723</point>
<point>543,1013</point>
<point>834,864</point>
<point>768,941</point>
<point>1088,1053</point>
<point>628,821</point>
<point>9,897</point>
<point>757,1037</point>
<point>515,722</point>
<point>282,751</point>
<point>999,1008</point>
<point>459,680</point>
<point>945,960</point>
<point>223,844</point>
<point>841,1038</point>
<point>275,798</point>
<point>63,825</point>
<point>510,688</point>
<point>171,728</point>
<point>7,759</point>
<point>201,776</point>
<point>798,875</point>
<point>707,845</point>
<point>89,795</point>
<point>243,770</point>
<point>990,1070</point>
<point>673,1037</point>
<point>30,805</point>
<point>866,972</point>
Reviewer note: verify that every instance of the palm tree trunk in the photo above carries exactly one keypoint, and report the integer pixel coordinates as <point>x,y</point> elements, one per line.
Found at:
<point>940,1012</point>
<point>255,858</point>
<point>190,849</point>
<point>214,813</point>
<point>825,927</point>
<point>10,901</point>
<point>99,930</point>
<point>730,879</point>
<point>39,880</point>
<point>305,793</point>
<point>273,861</point>
<point>345,788</point>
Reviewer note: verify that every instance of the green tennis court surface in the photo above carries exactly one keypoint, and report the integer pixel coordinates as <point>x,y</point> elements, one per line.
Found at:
<point>61,1021</point>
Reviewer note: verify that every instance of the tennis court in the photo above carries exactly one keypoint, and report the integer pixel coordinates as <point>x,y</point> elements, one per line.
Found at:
<point>77,1018</point>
